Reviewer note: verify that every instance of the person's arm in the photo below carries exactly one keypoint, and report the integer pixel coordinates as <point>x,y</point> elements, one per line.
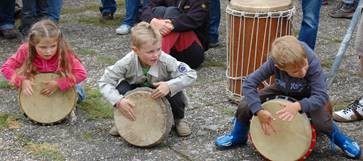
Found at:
<point>110,79</point>
<point>251,83</point>
<point>147,12</point>
<point>78,71</point>
<point>194,18</point>
<point>8,69</point>
<point>316,81</point>
<point>182,76</point>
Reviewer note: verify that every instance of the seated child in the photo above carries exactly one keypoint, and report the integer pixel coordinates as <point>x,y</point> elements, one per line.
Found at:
<point>298,74</point>
<point>147,66</point>
<point>46,51</point>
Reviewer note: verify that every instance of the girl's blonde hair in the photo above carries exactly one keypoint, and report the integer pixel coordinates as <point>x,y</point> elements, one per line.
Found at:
<point>48,29</point>
<point>288,52</point>
<point>142,33</point>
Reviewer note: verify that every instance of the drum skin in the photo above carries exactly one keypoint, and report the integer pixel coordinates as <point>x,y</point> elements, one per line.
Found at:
<point>153,122</point>
<point>251,28</point>
<point>293,140</point>
<point>47,109</point>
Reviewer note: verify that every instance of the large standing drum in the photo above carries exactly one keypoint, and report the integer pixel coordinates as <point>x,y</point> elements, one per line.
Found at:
<point>47,109</point>
<point>293,140</point>
<point>153,123</point>
<point>252,26</point>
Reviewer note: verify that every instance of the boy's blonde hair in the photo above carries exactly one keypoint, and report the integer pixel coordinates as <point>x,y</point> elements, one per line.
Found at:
<point>288,52</point>
<point>142,33</point>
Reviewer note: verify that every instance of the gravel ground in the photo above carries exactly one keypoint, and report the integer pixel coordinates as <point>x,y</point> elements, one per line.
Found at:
<point>209,115</point>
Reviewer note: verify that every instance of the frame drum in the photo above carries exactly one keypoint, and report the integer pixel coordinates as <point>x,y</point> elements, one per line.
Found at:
<point>47,109</point>
<point>154,119</point>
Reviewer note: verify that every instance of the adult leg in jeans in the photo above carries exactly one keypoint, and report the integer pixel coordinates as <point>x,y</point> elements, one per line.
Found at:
<point>310,21</point>
<point>28,13</point>
<point>132,8</point>
<point>42,9</point>
<point>108,6</point>
<point>7,19</point>
<point>214,16</point>
<point>54,9</point>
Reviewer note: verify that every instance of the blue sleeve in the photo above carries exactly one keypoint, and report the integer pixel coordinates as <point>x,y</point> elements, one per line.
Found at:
<point>316,81</point>
<point>251,83</point>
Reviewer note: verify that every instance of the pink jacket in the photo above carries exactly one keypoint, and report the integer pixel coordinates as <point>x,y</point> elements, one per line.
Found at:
<point>8,69</point>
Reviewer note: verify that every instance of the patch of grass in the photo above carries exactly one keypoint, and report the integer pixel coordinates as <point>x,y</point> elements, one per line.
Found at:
<point>8,121</point>
<point>89,7</point>
<point>87,136</point>
<point>4,84</point>
<point>86,52</point>
<point>338,105</point>
<point>106,59</point>
<point>228,111</point>
<point>95,106</point>
<point>212,63</point>
<point>336,39</point>
<point>97,22</point>
<point>327,63</point>
<point>44,151</point>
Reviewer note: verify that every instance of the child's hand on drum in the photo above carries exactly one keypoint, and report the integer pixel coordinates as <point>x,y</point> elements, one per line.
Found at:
<point>289,111</point>
<point>26,87</point>
<point>49,87</point>
<point>125,106</point>
<point>162,89</point>
<point>266,119</point>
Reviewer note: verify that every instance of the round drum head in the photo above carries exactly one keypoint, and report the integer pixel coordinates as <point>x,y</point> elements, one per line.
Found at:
<point>153,119</point>
<point>257,6</point>
<point>47,109</point>
<point>292,139</point>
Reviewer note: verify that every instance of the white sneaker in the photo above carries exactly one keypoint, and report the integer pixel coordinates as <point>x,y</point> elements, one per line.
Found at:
<point>123,29</point>
<point>353,112</point>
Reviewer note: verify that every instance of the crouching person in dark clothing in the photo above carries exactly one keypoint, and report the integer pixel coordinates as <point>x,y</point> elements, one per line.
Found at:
<point>183,25</point>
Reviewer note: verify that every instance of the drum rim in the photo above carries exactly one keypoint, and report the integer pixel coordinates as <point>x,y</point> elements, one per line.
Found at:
<point>73,104</point>
<point>263,7</point>
<point>312,143</point>
<point>168,122</point>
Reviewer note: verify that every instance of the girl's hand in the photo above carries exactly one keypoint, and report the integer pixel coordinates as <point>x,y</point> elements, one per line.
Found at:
<point>125,106</point>
<point>266,119</point>
<point>162,89</point>
<point>49,87</point>
<point>289,111</point>
<point>26,87</point>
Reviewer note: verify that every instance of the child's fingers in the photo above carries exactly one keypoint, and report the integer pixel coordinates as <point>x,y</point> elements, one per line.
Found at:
<point>131,104</point>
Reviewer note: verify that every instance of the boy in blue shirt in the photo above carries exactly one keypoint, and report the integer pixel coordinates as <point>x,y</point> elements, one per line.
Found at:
<point>298,74</point>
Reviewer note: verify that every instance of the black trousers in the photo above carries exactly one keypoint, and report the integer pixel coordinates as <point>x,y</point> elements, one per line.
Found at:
<point>321,118</point>
<point>176,102</point>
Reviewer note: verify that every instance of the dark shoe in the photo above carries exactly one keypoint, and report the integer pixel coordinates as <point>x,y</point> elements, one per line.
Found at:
<point>106,16</point>
<point>9,33</point>
<point>238,136</point>
<point>346,11</point>
<point>350,147</point>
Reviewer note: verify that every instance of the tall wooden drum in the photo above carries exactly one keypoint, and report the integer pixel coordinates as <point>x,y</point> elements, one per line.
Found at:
<point>252,26</point>
<point>153,123</point>
<point>47,109</point>
<point>293,140</point>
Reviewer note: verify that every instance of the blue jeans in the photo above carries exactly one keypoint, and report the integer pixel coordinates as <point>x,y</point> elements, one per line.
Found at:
<point>32,11</point>
<point>132,9</point>
<point>214,19</point>
<point>7,10</point>
<point>81,93</point>
<point>310,21</point>
<point>54,9</point>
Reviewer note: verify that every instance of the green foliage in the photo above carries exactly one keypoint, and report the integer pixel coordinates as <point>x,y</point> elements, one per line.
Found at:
<point>44,151</point>
<point>3,120</point>
<point>95,106</point>
<point>4,84</point>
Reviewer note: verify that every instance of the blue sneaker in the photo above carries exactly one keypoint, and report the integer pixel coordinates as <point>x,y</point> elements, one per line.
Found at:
<point>350,147</point>
<point>238,136</point>
<point>81,93</point>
